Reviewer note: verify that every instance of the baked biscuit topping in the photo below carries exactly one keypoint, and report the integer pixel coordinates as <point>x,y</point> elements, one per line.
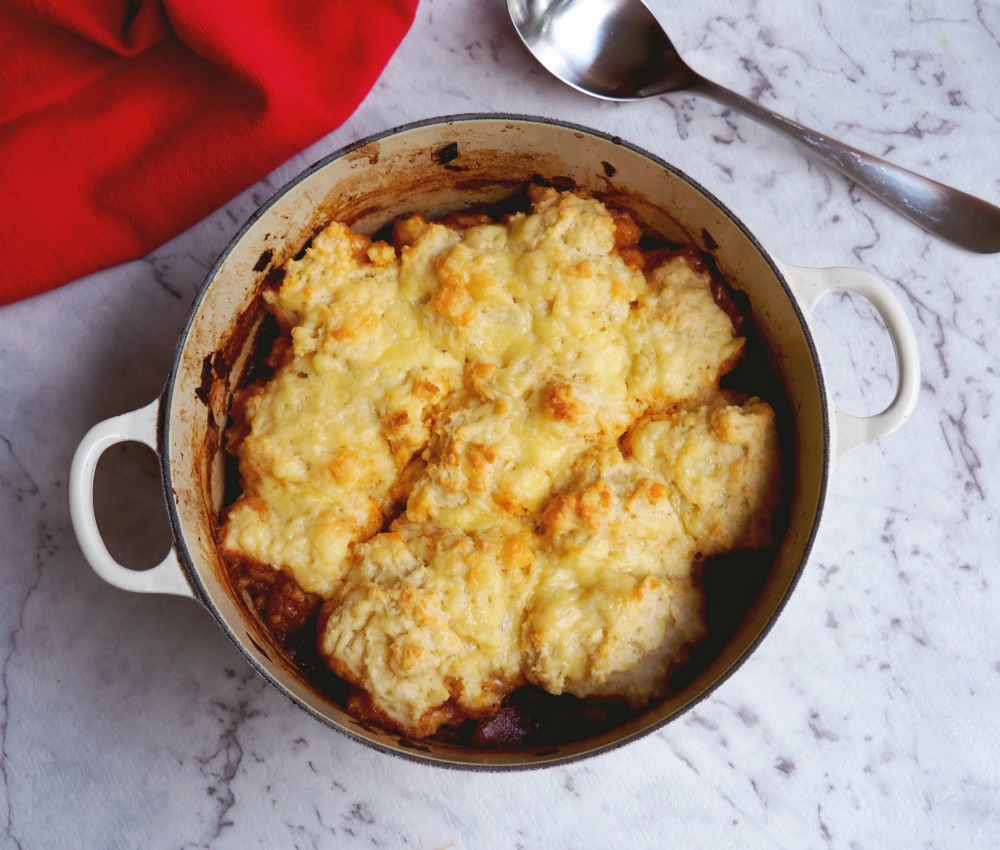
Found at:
<point>498,452</point>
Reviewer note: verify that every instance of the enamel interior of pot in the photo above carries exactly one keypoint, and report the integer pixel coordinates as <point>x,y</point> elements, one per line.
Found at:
<point>439,167</point>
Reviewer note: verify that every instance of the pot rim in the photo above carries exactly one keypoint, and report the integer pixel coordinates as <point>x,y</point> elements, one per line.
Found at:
<point>442,760</point>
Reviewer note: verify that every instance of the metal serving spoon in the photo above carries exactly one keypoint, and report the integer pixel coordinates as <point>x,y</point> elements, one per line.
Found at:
<point>616,50</point>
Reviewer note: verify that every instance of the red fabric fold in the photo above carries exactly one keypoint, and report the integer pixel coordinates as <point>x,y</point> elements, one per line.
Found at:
<point>123,122</point>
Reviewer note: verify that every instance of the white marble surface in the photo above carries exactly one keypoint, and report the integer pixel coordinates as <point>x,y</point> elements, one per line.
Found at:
<point>870,717</point>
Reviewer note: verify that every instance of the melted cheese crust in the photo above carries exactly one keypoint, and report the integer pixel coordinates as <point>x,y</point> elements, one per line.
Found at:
<point>542,423</point>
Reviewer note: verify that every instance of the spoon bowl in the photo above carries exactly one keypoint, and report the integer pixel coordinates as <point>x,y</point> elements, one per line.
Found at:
<point>606,48</point>
<point>617,50</point>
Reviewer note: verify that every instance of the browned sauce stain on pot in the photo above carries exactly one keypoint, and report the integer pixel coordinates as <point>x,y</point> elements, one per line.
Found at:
<point>264,260</point>
<point>219,370</point>
<point>203,390</point>
<point>274,277</point>
<point>215,390</point>
<point>372,152</point>
<point>446,153</point>
<point>640,208</point>
<point>361,199</point>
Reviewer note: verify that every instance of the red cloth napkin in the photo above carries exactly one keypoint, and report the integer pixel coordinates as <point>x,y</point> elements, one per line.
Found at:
<point>123,122</point>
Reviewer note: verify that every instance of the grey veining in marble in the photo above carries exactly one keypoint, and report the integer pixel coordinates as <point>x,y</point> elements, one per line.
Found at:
<point>869,717</point>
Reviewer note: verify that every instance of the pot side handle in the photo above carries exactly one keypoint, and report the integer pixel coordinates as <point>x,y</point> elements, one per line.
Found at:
<point>138,426</point>
<point>851,432</point>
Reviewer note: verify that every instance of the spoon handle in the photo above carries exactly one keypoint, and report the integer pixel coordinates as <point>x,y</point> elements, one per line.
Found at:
<point>964,220</point>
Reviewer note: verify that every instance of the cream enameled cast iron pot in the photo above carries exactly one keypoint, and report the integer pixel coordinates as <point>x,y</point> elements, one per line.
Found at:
<point>443,165</point>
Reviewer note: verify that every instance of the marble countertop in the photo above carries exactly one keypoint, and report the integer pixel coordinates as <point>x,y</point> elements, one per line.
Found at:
<point>869,717</point>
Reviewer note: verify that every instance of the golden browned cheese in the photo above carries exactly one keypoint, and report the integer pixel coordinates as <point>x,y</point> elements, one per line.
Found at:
<point>428,619</point>
<point>720,462</point>
<point>615,604</point>
<point>474,389</point>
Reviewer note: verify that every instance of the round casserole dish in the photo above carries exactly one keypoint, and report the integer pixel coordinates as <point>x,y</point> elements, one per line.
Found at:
<point>439,166</point>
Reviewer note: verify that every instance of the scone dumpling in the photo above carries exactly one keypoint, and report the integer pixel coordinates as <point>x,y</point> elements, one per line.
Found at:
<point>427,621</point>
<point>680,340</point>
<point>615,602</point>
<point>721,463</point>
